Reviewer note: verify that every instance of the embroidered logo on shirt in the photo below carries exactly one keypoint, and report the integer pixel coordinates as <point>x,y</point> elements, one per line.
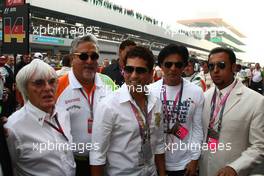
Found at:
<point>157,119</point>
<point>73,107</point>
<point>72,100</point>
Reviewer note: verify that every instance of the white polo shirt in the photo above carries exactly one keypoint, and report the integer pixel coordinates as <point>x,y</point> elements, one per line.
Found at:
<point>118,135</point>
<point>74,101</point>
<point>180,152</point>
<point>31,143</point>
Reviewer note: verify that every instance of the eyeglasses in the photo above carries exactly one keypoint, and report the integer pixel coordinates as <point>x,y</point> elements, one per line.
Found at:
<point>221,65</point>
<point>139,70</point>
<point>176,64</point>
<point>84,56</point>
<point>42,82</point>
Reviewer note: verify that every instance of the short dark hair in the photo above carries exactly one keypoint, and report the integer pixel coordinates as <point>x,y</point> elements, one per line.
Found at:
<point>126,43</point>
<point>173,49</point>
<point>143,53</point>
<point>66,60</point>
<point>231,54</point>
<point>238,67</point>
<point>192,60</point>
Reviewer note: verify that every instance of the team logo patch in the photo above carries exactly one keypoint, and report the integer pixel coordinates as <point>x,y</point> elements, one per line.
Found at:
<point>73,107</point>
<point>72,100</point>
<point>157,119</point>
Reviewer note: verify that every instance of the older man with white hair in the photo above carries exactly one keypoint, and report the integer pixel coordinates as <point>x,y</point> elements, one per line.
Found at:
<point>39,132</point>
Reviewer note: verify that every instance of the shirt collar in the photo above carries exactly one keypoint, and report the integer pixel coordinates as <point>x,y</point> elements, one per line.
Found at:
<point>125,96</point>
<point>226,89</point>
<point>75,84</point>
<point>65,68</point>
<point>98,81</point>
<point>8,65</point>
<point>38,115</point>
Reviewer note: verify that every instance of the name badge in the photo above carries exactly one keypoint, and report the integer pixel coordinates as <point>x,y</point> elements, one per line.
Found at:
<point>90,125</point>
<point>212,143</point>
<point>179,131</point>
<point>213,139</point>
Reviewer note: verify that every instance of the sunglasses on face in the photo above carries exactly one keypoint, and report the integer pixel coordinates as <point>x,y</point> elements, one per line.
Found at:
<point>42,82</point>
<point>221,65</point>
<point>138,70</point>
<point>84,56</point>
<point>176,64</point>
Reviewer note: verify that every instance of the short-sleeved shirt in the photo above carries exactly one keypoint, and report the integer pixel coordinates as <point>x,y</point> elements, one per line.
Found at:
<point>72,97</point>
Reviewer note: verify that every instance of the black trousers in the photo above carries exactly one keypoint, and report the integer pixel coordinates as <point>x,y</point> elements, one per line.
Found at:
<point>176,173</point>
<point>10,105</point>
<point>5,159</point>
<point>83,167</point>
<point>257,86</point>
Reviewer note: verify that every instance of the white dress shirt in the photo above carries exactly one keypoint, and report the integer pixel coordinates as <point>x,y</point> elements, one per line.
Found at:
<point>118,135</point>
<point>32,142</point>
<point>219,96</point>
<point>72,100</point>
<point>256,76</point>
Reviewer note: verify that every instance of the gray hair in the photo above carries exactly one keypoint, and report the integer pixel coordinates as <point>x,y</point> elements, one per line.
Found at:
<point>87,38</point>
<point>38,69</point>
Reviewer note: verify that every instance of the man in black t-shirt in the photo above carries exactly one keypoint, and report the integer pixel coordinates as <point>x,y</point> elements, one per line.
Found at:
<point>114,71</point>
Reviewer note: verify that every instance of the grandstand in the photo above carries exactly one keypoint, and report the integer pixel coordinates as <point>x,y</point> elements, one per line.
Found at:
<point>53,26</point>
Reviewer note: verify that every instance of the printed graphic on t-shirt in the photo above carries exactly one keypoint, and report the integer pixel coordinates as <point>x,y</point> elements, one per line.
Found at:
<point>182,112</point>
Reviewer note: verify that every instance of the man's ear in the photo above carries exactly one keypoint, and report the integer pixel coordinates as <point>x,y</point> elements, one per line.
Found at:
<point>234,67</point>
<point>151,73</point>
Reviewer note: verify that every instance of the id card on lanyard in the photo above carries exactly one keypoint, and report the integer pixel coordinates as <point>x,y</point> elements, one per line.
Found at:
<point>213,134</point>
<point>145,154</point>
<point>177,129</point>
<point>90,100</point>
